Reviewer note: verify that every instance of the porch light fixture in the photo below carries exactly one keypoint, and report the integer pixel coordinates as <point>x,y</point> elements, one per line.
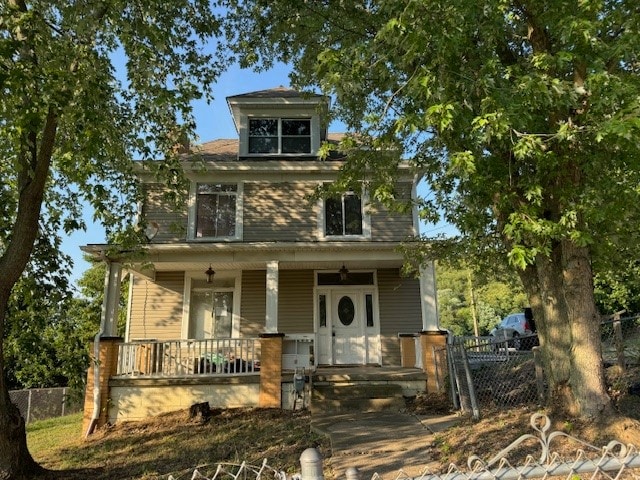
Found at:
<point>344,272</point>
<point>210,273</point>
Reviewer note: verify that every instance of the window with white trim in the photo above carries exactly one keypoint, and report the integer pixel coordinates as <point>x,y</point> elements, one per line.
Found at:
<point>280,135</point>
<point>216,205</point>
<point>343,215</point>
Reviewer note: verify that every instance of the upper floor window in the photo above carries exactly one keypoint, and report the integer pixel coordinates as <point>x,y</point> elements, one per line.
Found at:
<point>280,135</point>
<point>216,210</point>
<point>343,215</point>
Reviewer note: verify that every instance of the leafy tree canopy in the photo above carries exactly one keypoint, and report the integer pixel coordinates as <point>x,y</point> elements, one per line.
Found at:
<point>523,118</point>
<point>460,291</point>
<point>87,87</point>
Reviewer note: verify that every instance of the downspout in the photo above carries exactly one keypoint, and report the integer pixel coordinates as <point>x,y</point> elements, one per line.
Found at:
<point>95,415</point>
<point>96,381</point>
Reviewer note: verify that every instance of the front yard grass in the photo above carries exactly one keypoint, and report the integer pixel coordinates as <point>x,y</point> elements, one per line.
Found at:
<point>172,444</point>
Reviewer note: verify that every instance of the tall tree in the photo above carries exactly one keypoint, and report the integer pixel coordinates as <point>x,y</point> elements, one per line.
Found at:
<point>69,127</point>
<point>522,115</point>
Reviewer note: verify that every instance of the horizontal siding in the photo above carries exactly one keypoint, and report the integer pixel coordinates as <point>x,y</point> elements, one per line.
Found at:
<point>156,307</point>
<point>295,302</point>
<point>253,302</point>
<point>399,299</point>
<point>391,226</point>
<point>171,220</point>
<point>275,212</point>
<point>279,212</point>
<point>391,354</point>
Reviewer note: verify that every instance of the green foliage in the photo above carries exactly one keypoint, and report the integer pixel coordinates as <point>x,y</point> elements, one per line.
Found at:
<point>48,330</point>
<point>494,298</point>
<point>87,88</point>
<point>521,118</point>
<point>58,62</point>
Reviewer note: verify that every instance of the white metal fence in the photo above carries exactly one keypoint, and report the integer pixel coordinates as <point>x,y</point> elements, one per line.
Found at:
<point>173,358</point>
<point>42,403</point>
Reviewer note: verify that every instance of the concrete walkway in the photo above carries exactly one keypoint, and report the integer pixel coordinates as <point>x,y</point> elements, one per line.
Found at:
<point>387,443</point>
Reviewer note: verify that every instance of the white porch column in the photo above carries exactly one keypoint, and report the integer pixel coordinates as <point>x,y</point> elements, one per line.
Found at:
<point>271,321</point>
<point>429,299</point>
<point>111,301</point>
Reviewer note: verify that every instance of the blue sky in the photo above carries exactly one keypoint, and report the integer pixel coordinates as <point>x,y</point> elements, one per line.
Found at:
<point>212,121</point>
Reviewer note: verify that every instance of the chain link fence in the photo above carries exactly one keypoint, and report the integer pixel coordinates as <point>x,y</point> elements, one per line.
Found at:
<point>42,403</point>
<point>485,374</point>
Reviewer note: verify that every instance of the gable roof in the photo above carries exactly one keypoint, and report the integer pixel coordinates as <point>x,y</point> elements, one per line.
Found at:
<point>278,97</point>
<point>277,92</point>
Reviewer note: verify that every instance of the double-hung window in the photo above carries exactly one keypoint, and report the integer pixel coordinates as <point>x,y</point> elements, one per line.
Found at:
<point>216,205</point>
<point>343,215</point>
<point>280,135</point>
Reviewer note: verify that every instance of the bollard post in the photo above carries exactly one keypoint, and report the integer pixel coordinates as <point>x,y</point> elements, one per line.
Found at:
<point>311,465</point>
<point>352,473</point>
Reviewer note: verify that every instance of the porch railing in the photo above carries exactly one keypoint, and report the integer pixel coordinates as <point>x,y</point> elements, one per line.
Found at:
<point>176,358</point>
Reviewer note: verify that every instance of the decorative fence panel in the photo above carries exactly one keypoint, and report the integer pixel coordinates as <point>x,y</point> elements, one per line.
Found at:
<point>175,358</point>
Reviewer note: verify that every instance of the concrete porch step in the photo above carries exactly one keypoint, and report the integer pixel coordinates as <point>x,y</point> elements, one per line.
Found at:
<point>362,397</point>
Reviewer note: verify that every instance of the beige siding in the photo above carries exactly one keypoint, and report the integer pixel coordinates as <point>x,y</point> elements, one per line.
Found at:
<point>278,212</point>
<point>400,311</point>
<point>172,221</point>
<point>156,307</point>
<point>253,302</point>
<point>392,226</point>
<point>295,303</point>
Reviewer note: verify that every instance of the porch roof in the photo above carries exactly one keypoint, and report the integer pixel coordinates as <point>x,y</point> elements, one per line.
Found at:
<point>196,256</point>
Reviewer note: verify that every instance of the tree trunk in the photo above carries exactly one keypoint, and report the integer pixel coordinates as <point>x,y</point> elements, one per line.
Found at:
<point>16,462</point>
<point>560,291</point>
<point>587,371</point>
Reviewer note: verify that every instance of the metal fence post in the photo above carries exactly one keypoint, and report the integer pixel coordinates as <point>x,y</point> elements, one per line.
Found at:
<point>352,473</point>
<point>26,420</point>
<point>311,465</point>
<point>470,386</point>
<point>539,374</point>
<point>619,341</point>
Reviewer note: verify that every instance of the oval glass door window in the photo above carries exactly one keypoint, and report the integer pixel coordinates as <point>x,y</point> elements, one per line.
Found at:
<point>346,311</point>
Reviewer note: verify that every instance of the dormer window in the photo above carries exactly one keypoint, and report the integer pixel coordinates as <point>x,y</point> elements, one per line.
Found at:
<point>279,135</point>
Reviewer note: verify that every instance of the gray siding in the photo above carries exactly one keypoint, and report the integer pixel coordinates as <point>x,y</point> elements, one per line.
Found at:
<point>400,311</point>
<point>156,307</point>
<point>279,212</point>
<point>253,302</point>
<point>295,305</point>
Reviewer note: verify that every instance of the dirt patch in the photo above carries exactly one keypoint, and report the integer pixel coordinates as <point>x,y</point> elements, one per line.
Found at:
<point>175,444</point>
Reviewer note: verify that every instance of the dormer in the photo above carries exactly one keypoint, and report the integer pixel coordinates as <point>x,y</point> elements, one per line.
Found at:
<point>279,123</point>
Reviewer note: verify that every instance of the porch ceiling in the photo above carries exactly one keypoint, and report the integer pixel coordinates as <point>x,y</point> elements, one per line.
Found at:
<point>197,256</point>
<point>282,265</point>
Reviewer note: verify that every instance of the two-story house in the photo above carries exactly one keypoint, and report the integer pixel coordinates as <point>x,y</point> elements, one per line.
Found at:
<point>254,277</point>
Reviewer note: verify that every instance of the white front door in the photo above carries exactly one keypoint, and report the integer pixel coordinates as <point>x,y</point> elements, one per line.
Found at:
<point>348,333</point>
<point>347,327</point>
